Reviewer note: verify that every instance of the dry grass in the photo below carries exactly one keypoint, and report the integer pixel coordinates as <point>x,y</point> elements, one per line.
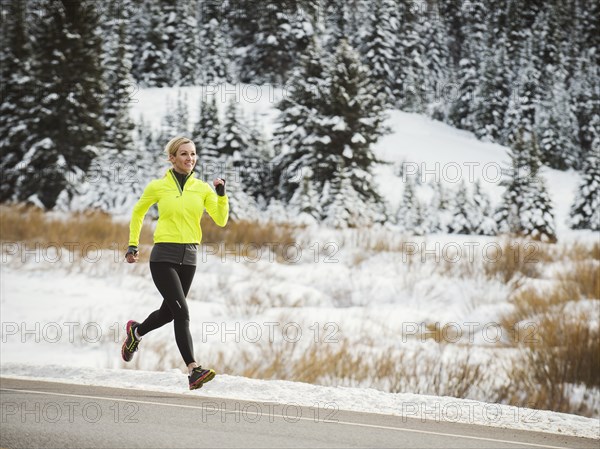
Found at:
<point>248,232</point>
<point>585,276</point>
<point>29,224</point>
<point>337,364</point>
<point>563,353</point>
<point>559,350</point>
<point>514,259</point>
<point>579,251</point>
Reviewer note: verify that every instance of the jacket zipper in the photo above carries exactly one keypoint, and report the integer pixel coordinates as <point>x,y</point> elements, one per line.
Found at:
<point>180,195</point>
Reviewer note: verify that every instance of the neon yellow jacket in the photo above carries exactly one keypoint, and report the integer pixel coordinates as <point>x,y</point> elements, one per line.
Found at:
<point>179,212</point>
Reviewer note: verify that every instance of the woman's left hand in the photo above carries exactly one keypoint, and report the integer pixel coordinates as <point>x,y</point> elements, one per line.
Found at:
<point>219,184</point>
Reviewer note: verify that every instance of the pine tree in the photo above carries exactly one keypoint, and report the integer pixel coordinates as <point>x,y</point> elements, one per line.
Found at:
<point>409,216</point>
<point>526,208</point>
<point>584,95</point>
<point>379,47</point>
<point>585,211</point>
<point>557,127</point>
<point>119,83</point>
<point>472,51</point>
<point>257,173</point>
<point>354,124</point>
<point>235,136</point>
<point>215,64</point>
<point>284,29</point>
<point>67,69</point>
<point>206,135</point>
<point>151,56</point>
<point>113,181</point>
<point>342,22</point>
<point>490,101</point>
<point>462,216</point>
<point>438,61</point>
<point>482,212</point>
<point>181,29</point>
<point>522,103</point>
<point>438,214</point>
<point>410,70</point>
<point>18,97</point>
<point>300,137</point>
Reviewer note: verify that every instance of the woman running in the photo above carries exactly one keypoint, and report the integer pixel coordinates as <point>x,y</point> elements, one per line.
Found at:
<point>181,202</point>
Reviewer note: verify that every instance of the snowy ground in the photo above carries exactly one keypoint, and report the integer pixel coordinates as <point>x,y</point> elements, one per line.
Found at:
<point>68,316</point>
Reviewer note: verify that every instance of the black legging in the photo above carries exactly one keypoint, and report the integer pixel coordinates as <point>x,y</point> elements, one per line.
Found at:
<point>173,282</point>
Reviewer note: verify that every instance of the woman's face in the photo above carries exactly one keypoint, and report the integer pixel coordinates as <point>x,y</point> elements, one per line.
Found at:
<point>185,158</point>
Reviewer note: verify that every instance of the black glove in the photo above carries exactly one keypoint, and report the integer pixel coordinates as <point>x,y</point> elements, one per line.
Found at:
<point>220,188</point>
<point>132,250</point>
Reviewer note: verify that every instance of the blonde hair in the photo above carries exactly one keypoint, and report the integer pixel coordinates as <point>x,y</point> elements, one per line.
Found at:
<point>174,144</point>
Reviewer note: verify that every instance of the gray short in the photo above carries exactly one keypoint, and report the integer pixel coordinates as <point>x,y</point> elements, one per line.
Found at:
<point>179,253</point>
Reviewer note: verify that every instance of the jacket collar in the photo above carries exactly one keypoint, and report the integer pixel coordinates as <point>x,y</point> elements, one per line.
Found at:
<point>168,174</point>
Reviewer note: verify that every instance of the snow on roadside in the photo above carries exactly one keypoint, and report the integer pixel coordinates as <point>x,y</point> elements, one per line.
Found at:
<point>431,408</point>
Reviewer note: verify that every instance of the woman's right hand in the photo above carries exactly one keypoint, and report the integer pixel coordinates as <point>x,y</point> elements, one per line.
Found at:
<point>132,254</point>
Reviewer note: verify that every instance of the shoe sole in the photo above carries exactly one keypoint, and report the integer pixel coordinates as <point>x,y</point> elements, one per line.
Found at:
<point>207,378</point>
<point>127,356</point>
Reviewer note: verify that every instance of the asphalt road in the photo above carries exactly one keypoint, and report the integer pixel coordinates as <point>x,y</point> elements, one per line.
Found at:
<point>60,415</point>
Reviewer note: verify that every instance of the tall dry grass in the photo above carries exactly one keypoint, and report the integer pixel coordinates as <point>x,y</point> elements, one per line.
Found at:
<point>515,259</point>
<point>30,224</point>
<point>559,348</point>
<point>341,364</point>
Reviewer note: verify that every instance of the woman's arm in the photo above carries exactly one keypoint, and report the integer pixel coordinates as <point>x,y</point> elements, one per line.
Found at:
<point>217,205</point>
<point>147,199</point>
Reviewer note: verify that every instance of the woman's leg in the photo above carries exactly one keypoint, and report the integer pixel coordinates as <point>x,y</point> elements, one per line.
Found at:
<point>156,319</point>
<point>173,282</point>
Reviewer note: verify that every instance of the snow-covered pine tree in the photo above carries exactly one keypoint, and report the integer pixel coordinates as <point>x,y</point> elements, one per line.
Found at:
<point>409,216</point>
<point>257,174</point>
<point>463,219</point>
<point>584,95</point>
<point>354,123</point>
<point>117,55</point>
<point>342,20</point>
<point>523,103</point>
<point>490,101</point>
<point>526,208</point>
<point>472,50</point>
<point>482,212</point>
<point>519,20</point>
<point>181,29</point>
<point>151,55</point>
<point>175,121</point>
<point>67,48</point>
<point>18,96</point>
<point>206,134</point>
<point>234,147</point>
<point>234,136</point>
<point>215,63</point>
<point>585,211</point>
<point>113,183</point>
<point>300,136</point>
<point>182,114</point>
<point>438,61</point>
<point>410,67</point>
<point>438,215</point>
<point>537,218</point>
<point>379,47</point>
<point>283,31</point>
<point>556,126</point>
